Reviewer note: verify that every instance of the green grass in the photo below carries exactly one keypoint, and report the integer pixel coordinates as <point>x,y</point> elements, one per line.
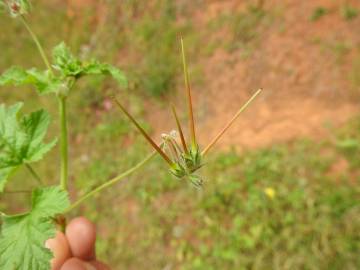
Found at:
<point>349,12</point>
<point>150,34</point>
<point>240,29</point>
<point>338,48</point>
<point>309,220</point>
<point>318,13</point>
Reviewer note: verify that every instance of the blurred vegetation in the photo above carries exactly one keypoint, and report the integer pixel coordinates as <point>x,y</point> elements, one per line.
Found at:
<point>349,12</point>
<point>287,206</point>
<point>153,39</point>
<point>242,28</point>
<point>318,13</point>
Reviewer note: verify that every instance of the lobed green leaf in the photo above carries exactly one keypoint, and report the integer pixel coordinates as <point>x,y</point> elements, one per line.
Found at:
<point>96,68</point>
<point>22,240</point>
<point>42,80</point>
<point>70,66</point>
<point>65,62</point>
<point>21,141</point>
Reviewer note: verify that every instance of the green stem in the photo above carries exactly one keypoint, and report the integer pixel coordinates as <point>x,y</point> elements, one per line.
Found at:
<point>110,182</point>
<point>62,109</point>
<point>34,174</point>
<point>37,42</point>
<point>63,143</point>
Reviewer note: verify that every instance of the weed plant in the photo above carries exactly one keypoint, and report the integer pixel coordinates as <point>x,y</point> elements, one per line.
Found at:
<point>22,143</point>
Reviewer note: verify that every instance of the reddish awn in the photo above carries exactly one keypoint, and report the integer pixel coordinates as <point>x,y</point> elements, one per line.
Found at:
<point>184,158</point>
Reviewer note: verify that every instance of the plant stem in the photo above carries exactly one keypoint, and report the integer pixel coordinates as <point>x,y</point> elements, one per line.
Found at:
<point>111,182</point>
<point>227,126</point>
<point>62,109</point>
<point>63,144</point>
<point>34,174</point>
<point>37,42</point>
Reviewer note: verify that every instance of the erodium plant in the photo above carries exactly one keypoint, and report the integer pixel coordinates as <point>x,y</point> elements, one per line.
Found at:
<point>23,236</point>
<point>184,161</point>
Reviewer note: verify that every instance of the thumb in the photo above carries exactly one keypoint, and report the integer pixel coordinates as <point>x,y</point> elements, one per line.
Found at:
<point>60,248</point>
<point>77,264</point>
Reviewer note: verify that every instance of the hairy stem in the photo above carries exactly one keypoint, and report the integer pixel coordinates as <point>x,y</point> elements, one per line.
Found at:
<point>62,110</point>
<point>111,182</point>
<point>34,174</point>
<point>37,43</point>
<point>228,125</point>
<point>63,144</point>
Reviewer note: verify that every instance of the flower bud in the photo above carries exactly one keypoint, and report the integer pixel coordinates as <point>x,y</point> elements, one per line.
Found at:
<point>18,7</point>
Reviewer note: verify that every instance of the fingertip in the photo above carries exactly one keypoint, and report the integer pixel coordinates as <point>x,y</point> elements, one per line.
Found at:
<point>77,264</point>
<point>81,235</point>
<point>60,248</point>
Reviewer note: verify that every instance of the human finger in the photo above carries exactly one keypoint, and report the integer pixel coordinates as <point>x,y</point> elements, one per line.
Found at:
<point>81,235</point>
<point>77,264</point>
<point>60,248</point>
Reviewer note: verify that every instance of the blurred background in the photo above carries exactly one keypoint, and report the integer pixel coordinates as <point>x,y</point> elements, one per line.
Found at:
<point>282,186</point>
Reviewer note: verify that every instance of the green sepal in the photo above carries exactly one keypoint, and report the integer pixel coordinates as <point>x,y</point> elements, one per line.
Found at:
<point>196,180</point>
<point>193,158</point>
<point>178,170</point>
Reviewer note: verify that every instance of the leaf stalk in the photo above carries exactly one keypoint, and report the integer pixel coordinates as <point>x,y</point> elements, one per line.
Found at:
<point>37,43</point>
<point>110,182</point>
<point>63,143</point>
<point>34,174</point>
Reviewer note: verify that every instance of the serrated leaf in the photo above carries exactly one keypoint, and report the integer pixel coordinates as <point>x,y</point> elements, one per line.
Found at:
<point>65,61</point>
<point>22,241</point>
<point>42,80</point>
<point>96,68</point>
<point>21,141</point>
<point>69,65</point>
